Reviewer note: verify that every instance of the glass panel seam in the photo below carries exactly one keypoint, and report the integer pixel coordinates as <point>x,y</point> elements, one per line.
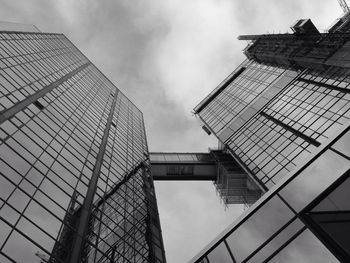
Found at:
<point>7,114</point>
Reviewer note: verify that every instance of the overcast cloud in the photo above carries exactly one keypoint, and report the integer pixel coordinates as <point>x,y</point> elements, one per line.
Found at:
<point>166,56</point>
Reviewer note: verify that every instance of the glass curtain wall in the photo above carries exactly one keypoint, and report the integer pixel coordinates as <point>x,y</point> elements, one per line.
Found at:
<point>70,140</point>
<point>304,220</point>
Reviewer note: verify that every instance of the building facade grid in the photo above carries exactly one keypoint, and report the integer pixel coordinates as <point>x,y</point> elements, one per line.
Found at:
<point>294,140</point>
<point>74,160</point>
<point>292,125</point>
<point>241,92</point>
<point>284,226</point>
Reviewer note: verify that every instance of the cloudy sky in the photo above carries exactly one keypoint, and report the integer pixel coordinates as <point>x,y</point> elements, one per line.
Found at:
<point>166,56</point>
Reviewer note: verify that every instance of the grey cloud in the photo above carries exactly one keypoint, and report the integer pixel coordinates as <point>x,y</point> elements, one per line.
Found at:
<point>166,56</point>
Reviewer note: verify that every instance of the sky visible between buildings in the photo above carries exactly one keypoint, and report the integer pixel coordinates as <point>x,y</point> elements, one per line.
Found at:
<point>166,56</point>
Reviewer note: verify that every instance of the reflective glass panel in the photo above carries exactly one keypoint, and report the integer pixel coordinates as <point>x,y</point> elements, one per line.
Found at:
<point>277,242</point>
<point>343,144</point>
<point>258,228</point>
<point>314,179</point>
<point>305,248</point>
<point>331,218</point>
<point>220,254</point>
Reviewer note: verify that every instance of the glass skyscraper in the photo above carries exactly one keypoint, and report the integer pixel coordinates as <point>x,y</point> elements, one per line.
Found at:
<point>284,116</point>
<point>75,182</point>
<point>76,177</point>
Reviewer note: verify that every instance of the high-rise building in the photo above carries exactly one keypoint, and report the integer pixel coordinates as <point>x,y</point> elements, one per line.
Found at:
<point>75,182</point>
<point>284,116</point>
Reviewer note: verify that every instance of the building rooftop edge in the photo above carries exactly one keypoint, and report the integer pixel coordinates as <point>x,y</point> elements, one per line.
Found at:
<point>216,91</point>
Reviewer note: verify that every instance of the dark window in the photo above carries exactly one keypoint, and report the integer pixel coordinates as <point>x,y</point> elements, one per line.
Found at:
<point>180,170</point>
<point>329,217</point>
<point>38,105</point>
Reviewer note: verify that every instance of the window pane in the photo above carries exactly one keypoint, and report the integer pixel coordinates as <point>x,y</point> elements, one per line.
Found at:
<point>325,170</point>
<point>331,218</point>
<point>21,249</point>
<point>220,254</point>
<point>343,144</point>
<point>252,233</point>
<point>277,242</point>
<point>305,248</point>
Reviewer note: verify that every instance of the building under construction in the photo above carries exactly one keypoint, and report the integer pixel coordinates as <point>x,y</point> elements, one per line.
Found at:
<point>283,115</point>
<point>77,179</point>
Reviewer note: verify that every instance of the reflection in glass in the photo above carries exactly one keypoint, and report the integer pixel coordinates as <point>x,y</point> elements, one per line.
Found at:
<point>305,248</point>
<point>277,242</point>
<point>331,218</point>
<point>343,144</point>
<point>21,249</point>
<point>325,170</point>
<point>258,228</point>
<point>220,254</point>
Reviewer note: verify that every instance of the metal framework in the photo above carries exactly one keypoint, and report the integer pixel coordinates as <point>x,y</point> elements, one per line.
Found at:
<point>70,142</point>
<point>231,181</point>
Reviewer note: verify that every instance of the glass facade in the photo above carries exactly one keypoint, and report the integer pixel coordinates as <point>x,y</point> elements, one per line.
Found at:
<point>181,157</point>
<point>294,124</point>
<point>293,139</point>
<point>241,92</point>
<point>75,183</point>
<point>305,218</point>
<point>288,116</point>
